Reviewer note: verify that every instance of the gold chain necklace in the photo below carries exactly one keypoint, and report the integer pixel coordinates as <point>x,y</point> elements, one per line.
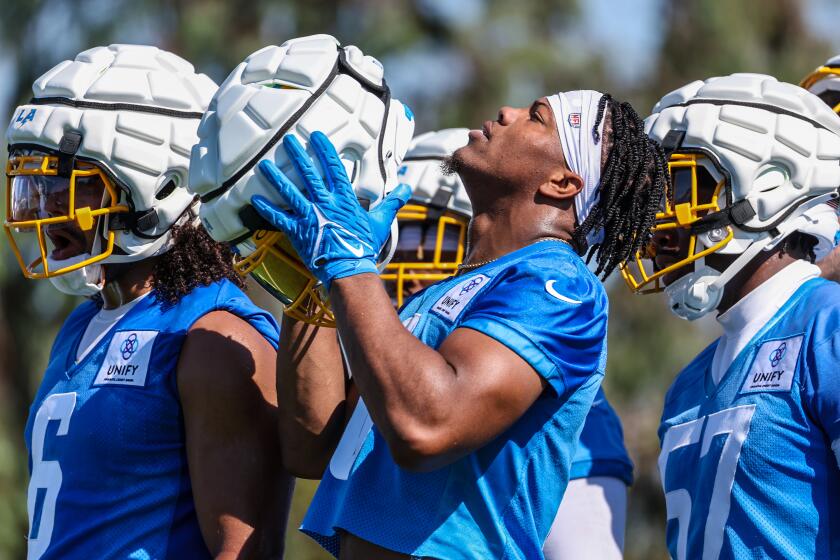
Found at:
<point>471,266</point>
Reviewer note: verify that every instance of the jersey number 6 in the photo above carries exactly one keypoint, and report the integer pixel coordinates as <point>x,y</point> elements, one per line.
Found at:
<point>46,475</point>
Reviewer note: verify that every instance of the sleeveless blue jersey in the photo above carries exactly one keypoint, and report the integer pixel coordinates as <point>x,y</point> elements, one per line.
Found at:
<point>544,304</point>
<point>600,450</point>
<point>747,466</point>
<point>106,435</point>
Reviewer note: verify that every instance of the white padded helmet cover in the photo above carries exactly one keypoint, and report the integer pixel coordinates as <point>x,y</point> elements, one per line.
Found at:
<point>298,87</point>
<point>143,151</point>
<point>779,143</point>
<point>422,170</point>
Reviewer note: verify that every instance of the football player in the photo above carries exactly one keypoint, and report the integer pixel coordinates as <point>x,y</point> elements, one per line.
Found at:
<point>153,432</point>
<point>432,240</point>
<point>824,82</point>
<point>474,396</point>
<point>750,432</point>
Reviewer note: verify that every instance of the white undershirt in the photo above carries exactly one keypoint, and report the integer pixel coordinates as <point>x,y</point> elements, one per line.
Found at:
<point>589,524</point>
<point>101,323</point>
<point>743,320</point>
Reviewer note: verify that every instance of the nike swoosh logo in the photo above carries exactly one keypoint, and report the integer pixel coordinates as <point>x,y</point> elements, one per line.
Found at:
<point>357,251</point>
<point>549,287</point>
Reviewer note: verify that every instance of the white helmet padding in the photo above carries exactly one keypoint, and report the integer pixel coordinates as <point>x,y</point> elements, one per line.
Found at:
<point>304,85</point>
<point>422,170</point>
<point>778,147</point>
<point>133,110</point>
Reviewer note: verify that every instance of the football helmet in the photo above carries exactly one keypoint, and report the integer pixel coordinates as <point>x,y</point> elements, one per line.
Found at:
<point>752,160</point>
<point>433,225</point>
<point>824,82</point>
<point>102,150</point>
<point>305,84</point>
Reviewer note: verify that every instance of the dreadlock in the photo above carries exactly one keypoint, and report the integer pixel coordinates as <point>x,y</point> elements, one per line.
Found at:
<point>800,245</point>
<point>633,180</point>
<point>194,260</point>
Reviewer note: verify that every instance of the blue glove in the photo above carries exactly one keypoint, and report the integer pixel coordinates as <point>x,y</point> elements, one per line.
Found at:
<point>333,235</point>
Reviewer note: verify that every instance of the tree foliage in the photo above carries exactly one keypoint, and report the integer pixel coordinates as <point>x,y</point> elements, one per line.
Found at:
<point>455,64</point>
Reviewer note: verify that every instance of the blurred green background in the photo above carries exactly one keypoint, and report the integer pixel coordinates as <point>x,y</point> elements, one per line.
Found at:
<point>454,62</point>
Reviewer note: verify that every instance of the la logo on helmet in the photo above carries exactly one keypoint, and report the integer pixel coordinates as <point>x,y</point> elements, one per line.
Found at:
<point>22,119</point>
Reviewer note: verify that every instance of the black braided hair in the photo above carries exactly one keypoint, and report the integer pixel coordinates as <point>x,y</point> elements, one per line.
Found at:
<point>194,260</point>
<point>800,245</point>
<point>634,179</point>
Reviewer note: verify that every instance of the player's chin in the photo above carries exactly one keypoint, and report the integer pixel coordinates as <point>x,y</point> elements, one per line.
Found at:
<point>472,159</point>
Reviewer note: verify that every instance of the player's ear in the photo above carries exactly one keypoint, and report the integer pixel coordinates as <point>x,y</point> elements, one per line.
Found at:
<point>562,185</point>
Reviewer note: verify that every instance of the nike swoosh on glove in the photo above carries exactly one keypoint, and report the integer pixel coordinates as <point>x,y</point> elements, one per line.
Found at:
<point>333,235</point>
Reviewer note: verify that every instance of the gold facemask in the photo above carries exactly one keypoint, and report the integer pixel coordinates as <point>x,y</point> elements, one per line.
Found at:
<point>695,193</point>
<point>821,73</point>
<point>436,258</point>
<point>38,199</point>
<point>275,265</point>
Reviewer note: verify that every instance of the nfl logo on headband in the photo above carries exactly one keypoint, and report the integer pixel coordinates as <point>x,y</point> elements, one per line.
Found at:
<point>573,111</point>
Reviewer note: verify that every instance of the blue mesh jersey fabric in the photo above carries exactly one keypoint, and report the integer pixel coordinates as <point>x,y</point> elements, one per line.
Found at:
<point>498,502</point>
<point>106,436</point>
<point>747,466</point>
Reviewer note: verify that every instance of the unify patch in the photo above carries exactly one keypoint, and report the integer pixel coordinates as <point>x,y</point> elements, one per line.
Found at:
<point>453,302</point>
<point>774,366</point>
<point>127,359</point>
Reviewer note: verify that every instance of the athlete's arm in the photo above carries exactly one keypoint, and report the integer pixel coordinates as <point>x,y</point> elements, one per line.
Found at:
<point>313,393</point>
<point>432,406</point>
<point>226,384</point>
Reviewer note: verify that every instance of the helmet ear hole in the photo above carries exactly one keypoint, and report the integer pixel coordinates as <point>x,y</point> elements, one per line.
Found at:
<point>771,177</point>
<point>167,189</point>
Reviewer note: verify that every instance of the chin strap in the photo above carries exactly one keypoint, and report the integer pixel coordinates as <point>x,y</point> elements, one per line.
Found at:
<point>764,242</point>
<point>162,243</point>
<point>700,292</point>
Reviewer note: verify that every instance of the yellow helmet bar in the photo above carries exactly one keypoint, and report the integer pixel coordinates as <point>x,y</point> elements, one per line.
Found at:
<point>275,265</point>
<point>680,210</point>
<point>442,264</point>
<point>818,75</point>
<point>85,217</point>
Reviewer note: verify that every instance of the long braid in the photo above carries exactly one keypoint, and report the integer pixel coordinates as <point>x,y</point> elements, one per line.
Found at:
<point>633,181</point>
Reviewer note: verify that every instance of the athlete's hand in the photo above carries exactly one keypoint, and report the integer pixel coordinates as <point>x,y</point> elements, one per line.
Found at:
<point>333,235</point>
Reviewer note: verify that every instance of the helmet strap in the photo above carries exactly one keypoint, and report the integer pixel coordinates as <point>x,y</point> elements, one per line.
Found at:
<point>67,148</point>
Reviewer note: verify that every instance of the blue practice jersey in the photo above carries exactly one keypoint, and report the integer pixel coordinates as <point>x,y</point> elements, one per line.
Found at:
<point>544,304</point>
<point>747,466</point>
<point>600,450</point>
<point>106,435</point>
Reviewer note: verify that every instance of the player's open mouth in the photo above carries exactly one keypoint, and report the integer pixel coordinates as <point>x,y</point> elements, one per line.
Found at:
<point>67,240</point>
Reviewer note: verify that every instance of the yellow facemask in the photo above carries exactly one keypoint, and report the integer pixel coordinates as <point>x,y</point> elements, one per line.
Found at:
<point>38,200</point>
<point>819,74</point>
<point>434,258</point>
<point>275,265</point>
<point>695,193</point>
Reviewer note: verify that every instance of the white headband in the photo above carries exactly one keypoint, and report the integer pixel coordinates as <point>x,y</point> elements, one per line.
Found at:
<point>575,112</point>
